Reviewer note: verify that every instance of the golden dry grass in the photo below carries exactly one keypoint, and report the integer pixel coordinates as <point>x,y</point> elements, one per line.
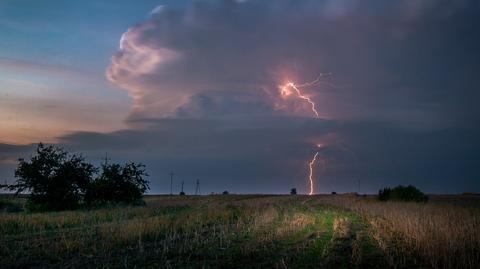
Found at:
<point>441,235</point>
<point>247,231</point>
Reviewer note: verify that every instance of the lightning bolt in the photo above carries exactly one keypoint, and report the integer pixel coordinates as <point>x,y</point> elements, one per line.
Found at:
<point>301,96</point>
<point>286,91</point>
<point>310,176</point>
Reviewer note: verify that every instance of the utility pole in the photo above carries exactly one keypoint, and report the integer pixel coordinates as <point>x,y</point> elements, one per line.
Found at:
<point>182,185</point>
<point>171,183</point>
<point>106,158</point>
<point>197,189</point>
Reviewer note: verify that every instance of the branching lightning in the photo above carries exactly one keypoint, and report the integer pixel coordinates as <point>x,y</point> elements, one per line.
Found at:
<point>301,96</point>
<point>286,91</point>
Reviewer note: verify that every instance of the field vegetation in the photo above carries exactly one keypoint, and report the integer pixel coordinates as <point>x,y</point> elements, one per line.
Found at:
<point>246,231</point>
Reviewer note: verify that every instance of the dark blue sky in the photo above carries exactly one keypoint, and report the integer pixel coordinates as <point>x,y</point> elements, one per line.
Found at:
<point>201,88</point>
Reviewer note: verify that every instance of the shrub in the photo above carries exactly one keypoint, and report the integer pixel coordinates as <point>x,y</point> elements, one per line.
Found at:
<point>293,191</point>
<point>401,193</point>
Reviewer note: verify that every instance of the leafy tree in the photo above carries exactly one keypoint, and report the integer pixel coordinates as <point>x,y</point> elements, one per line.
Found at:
<point>55,179</point>
<point>293,191</point>
<point>402,193</point>
<point>118,183</point>
<point>225,193</point>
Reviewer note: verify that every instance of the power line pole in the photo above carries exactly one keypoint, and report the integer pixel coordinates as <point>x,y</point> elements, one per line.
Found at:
<point>106,158</point>
<point>197,188</point>
<point>171,183</point>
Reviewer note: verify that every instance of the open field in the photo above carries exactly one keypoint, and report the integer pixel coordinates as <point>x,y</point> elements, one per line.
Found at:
<point>248,231</point>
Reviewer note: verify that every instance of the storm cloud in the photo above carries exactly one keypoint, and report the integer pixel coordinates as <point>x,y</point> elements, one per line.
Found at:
<point>400,60</point>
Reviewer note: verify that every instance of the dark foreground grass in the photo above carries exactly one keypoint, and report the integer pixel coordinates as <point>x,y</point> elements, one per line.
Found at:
<point>231,231</point>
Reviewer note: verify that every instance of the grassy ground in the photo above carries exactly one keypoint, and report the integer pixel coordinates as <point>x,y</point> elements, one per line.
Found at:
<point>245,231</point>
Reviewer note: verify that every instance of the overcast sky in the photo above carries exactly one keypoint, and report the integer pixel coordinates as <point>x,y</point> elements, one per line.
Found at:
<point>201,88</point>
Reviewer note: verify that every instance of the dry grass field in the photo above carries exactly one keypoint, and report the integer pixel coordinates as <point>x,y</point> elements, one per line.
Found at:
<point>248,231</point>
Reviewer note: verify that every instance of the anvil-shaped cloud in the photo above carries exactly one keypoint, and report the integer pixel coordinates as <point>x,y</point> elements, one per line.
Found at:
<point>390,62</point>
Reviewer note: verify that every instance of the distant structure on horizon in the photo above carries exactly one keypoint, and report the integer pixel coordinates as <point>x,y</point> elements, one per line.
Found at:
<point>197,187</point>
<point>171,182</point>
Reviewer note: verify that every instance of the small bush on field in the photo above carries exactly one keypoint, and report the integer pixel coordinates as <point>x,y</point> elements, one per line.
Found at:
<point>401,193</point>
<point>57,180</point>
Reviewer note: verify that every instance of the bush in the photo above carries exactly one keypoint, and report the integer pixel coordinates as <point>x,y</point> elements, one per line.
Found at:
<point>293,191</point>
<point>401,193</point>
<point>57,180</point>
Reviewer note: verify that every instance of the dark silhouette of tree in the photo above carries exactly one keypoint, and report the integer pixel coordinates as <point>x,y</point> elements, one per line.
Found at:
<point>402,193</point>
<point>293,191</point>
<point>225,193</point>
<point>118,184</point>
<point>55,179</point>
<point>384,194</point>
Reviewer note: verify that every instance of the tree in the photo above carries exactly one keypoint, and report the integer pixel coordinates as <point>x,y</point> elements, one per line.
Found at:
<point>118,183</point>
<point>225,193</point>
<point>401,193</point>
<point>55,179</point>
<point>384,194</point>
<point>293,191</point>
